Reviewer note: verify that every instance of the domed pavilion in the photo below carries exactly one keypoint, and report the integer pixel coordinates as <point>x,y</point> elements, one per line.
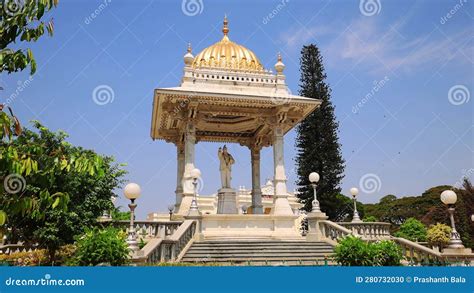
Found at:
<point>226,95</point>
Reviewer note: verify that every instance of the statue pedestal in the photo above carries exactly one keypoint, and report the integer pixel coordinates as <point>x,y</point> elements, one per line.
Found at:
<point>227,201</point>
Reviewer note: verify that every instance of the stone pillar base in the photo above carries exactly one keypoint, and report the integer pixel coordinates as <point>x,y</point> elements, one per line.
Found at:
<point>198,236</point>
<point>314,229</point>
<point>186,200</point>
<point>227,201</point>
<point>281,206</point>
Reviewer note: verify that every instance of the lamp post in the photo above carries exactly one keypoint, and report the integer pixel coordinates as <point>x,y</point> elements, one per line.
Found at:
<point>314,178</point>
<point>170,210</point>
<point>194,210</point>
<point>132,192</point>
<point>449,198</point>
<point>355,218</point>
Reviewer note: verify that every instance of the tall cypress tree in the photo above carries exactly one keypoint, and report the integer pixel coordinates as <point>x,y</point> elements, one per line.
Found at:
<point>318,149</point>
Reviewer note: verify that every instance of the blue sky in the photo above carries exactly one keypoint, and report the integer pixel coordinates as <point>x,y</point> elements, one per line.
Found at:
<point>401,78</point>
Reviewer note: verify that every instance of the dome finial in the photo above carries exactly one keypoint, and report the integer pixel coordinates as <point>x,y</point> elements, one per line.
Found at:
<point>279,66</point>
<point>225,29</point>
<point>188,57</point>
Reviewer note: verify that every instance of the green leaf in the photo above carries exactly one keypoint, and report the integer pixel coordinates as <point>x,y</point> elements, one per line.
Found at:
<point>56,202</point>
<point>3,218</point>
<point>40,10</point>
<point>64,164</point>
<point>33,66</point>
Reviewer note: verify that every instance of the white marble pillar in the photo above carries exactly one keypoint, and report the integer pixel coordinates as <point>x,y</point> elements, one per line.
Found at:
<point>257,207</point>
<point>187,181</point>
<point>281,206</point>
<point>179,175</point>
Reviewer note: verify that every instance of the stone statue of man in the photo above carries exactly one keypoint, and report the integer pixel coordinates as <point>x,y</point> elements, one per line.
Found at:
<point>225,167</point>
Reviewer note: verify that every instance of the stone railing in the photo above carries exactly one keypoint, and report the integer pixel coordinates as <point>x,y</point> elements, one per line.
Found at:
<point>148,229</point>
<point>168,249</point>
<point>333,231</point>
<point>369,230</point>
<point>414,253</point>
<point>417,253</point>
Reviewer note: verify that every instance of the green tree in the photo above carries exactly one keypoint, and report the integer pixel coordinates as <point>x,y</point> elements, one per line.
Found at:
<point>413,230</point>
<point>28,167</point>
<point>21,21</point>
<point>370,219</point>
<point>118,215</point>
<point>318,149</point>
<point>464,211</point>
<point>52,189</point>
<point>89,197</point>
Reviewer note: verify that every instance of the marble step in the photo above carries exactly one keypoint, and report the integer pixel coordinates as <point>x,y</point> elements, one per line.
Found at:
<point>263,260</point>
<point>269,250</point>
<point>260,252</point>
<point>257,255</point>
<point>266,249</point>
<point>260,244</point>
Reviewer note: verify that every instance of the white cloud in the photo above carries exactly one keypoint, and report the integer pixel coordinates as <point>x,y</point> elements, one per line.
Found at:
<point>380,48</point>
<point>297,37</point>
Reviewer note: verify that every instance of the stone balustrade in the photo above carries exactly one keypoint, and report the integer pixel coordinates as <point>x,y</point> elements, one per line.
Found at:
<point>169,249</point>
<point>148,229</point>
<point>321,229</point>
<point>333,231</point>
<point>369,230</point>
<point>417,253</point>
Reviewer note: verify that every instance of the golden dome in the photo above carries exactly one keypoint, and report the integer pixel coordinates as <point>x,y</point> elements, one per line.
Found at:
<point>227,54</point>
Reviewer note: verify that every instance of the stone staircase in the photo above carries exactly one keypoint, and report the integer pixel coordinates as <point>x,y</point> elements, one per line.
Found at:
<point>259,252</point>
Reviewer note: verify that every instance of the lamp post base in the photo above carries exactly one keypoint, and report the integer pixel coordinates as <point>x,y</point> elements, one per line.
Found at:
<point>356,218</point>
<point>132,243</point>
<point>194,210</point>
<point>455,243</point>
<point>315,208</point>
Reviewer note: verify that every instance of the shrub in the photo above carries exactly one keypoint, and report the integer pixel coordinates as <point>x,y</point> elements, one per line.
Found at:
<point>98,246</point>
<point>370,219</point>
<point>439,235</point>
<point>65,254</point>
<point>27,258</point>
<point>388,253</point>
<point>413,230</point>
<point>353,251</point>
